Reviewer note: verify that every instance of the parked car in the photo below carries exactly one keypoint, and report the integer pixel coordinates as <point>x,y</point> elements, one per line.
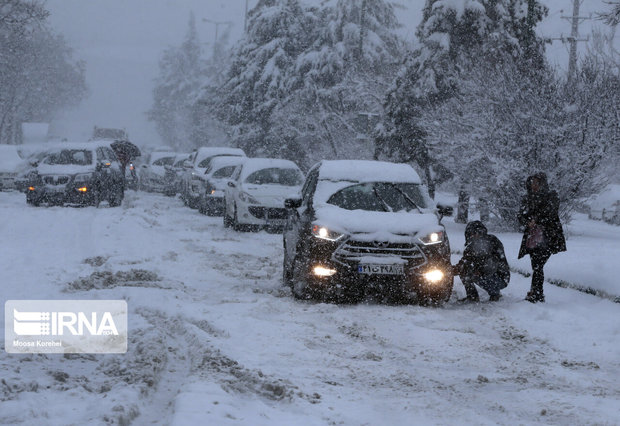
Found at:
<point>214,182</point>
<point>11,164</point>
<point>78,173</point>
<point>255,194</point>
<point>172,177</point>
<point>192,179</point>
<point>152,173</point>
<point>364,227</point>
<point>32,155</point>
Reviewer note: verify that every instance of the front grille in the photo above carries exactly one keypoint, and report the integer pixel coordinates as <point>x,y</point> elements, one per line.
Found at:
<point>351,251</point>
<point>267,212</point>
<point>56,180</point>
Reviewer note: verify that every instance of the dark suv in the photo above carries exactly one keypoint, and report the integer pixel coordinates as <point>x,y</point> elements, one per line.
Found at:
<point>77,173</point>
<point>366,227</point>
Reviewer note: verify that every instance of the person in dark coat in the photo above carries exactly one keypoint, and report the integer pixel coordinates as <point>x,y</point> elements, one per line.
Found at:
<point>483,263</point>
<point>543,235</point>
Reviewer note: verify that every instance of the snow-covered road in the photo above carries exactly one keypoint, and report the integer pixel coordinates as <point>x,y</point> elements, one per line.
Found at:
<point>215,338</point>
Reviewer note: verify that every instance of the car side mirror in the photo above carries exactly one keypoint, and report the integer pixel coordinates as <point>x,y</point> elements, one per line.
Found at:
<point>231,184</point>
<point>444,210</point>
<point>292,203</point>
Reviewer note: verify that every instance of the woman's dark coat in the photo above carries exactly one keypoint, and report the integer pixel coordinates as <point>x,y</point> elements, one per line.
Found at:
<point>542,207</point>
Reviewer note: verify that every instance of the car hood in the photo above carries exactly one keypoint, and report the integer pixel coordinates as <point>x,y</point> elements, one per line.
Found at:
<point>399,227</point>
<point>273,195</point>
<point>64,169</point>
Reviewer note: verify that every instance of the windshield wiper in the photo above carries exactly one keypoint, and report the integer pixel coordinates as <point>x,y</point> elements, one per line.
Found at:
<point>406,197</point>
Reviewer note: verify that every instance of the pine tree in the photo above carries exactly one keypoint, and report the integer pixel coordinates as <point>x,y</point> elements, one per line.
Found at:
<point>451,32</point>
<point>38,75</point>
<point>343,75</point>
<point>257,83</point>
<point>180,78</point>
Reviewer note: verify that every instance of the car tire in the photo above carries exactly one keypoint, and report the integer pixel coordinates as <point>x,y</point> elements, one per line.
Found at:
<point>286,273</point>
<point>437,298</point>
<point>227,219</point>
<point>299,280</point>
<point>235,222</point>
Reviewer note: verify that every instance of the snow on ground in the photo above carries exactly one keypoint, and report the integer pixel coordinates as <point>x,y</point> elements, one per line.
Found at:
<point>216,339</point>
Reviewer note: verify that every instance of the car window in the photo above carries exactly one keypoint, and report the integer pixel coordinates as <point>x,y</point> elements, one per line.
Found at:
<point>79,157</point>
<point>166,161</point>
<point>224,172</point>
<point>379,196</point>
<point>110,154</point>
<point>310,185</point>
<point>275,176</point>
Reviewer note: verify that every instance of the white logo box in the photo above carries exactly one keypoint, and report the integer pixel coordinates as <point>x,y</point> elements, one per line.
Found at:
<point>65,326</point>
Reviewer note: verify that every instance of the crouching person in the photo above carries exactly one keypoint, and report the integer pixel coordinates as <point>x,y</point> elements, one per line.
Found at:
<point>483,264</point>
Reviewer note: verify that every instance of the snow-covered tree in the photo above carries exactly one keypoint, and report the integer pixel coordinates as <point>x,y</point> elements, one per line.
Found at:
<point>612,16</point>
<point>451,33</point>
<point>38,75</point>
<point>181,74</point>
<point>257,83</point>
<point>342,77</point>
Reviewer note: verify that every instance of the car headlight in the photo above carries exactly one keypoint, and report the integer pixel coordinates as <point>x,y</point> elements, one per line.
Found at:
<point>325,234</point>
<point>434,275</point>
<point>84,177</point>
<point>247,198</point>
<point>432,238</point>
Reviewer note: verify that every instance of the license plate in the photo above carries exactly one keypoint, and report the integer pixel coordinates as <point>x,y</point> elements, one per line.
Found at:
<point>56,189</point>
<point>381,269</point>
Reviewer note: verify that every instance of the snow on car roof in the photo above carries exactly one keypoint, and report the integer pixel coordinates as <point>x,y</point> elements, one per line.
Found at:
<point>79,145</point>
<point>253,164</point>
<point>156,155</point>
<point>209,151</point>
<point>367,171</point>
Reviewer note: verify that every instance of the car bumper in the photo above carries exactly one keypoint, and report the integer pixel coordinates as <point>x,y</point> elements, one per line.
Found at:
<point>252,214</point>
<point>66,195</point>
<point>413,282</point>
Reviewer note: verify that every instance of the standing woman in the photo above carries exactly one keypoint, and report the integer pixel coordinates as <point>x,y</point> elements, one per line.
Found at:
<point>543,234</point>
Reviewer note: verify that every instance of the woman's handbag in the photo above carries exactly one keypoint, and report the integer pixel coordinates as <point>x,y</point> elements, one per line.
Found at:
<point>535,238</point>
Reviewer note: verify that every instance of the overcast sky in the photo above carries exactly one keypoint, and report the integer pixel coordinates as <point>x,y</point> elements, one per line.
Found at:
<point>122,41</point>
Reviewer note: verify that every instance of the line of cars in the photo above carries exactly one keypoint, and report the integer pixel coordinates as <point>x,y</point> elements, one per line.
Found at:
<point>83,173</point>
<point>350,227</point>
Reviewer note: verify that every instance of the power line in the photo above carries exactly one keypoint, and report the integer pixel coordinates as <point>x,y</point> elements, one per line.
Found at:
<point>574,37</point>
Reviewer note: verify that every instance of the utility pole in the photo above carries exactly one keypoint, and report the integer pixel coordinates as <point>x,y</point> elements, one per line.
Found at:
<point>217,27</point>
<point>574,38</point>
<point>362,30</point>
<point>245,18</point>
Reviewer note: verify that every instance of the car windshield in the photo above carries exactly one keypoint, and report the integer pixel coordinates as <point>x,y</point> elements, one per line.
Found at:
<point>224,172</point>
<point>380,196</point>
<point>204,164</point>
<point>166,161</point>
<point>276,176</point>
<point>79,157</point>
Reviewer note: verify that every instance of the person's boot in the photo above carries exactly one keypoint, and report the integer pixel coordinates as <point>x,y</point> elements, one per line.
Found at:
<point>495,297</point>
<point>535,297</point>
<point>472,294</point>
